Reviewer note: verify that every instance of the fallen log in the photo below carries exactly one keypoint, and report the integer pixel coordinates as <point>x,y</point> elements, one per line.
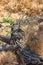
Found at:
<point>30,57</point>
<point>5,39</point>
<point>8,47</point>
<point>26,56</point>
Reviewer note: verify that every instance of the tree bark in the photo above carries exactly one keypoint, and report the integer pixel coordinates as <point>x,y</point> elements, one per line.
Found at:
<point>4,39</point>
<point>8,47</point>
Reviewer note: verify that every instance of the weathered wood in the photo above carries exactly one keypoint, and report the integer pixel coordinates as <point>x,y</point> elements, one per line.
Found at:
<point>8,47</point>
<point>26,56</point>
<point>4,39</point>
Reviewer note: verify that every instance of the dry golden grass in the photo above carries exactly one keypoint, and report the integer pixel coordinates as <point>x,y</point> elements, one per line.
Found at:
<point>8,58</point>
<point>36,45</point>
<point>10,8</point>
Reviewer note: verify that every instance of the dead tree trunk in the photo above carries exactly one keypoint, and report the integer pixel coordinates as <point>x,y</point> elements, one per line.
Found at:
<point>24,55</point>
<point>4,39</point>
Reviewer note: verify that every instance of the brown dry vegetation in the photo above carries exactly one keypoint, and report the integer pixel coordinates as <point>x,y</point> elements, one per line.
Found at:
<point>8,58</point>
<point>36,45</point>
<point>13,9</point>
